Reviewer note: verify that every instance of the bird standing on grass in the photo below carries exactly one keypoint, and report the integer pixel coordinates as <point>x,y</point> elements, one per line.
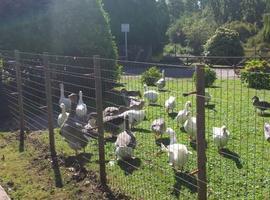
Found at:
<point>260,105</point>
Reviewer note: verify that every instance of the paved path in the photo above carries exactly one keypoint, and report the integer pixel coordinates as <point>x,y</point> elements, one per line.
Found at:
<point>3,194</point>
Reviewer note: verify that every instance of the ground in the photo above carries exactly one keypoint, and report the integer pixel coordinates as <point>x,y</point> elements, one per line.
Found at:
<point>241,173</point>
<point>29,175</point>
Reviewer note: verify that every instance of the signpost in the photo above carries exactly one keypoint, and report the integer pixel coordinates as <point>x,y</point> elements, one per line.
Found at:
<point>125,29</point>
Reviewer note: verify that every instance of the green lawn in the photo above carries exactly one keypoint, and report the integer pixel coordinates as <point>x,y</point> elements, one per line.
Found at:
<point>246,177</point>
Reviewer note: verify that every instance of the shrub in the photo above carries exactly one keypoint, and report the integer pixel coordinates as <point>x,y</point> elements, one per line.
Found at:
<point>224,42</point>
<point>151,76</point>
<point>256,74</point>
<point>209,75</point>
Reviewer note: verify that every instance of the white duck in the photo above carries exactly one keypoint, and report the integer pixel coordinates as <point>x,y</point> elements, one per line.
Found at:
<point>190,126</point>
<point>135,117</point>
<point>158,126</point>
<point>81,109</point>
<point>182,114</point>
<point>62,117</point>
<point>150,95</point>
<point>170,104</point>
<point>125,143</point>
<point>220,136</point>
<point>161,82</point>
<point>64,100</point>
<point>178,153</point>
<point>267,131</point>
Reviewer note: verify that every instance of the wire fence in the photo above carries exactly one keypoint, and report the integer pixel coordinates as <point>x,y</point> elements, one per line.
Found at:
<point>213,170</point>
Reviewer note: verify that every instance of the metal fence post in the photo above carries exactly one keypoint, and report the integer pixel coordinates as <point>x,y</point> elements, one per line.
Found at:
<point>20,98</point>
<point>99,107</point>
<point>201,143</point>
<point>49,103</point>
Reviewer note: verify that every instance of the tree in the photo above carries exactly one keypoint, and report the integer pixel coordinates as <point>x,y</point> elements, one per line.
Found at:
<point>148,21</point>
<point>176,9</point>
<point>252,10</point>
<point>224,42</point>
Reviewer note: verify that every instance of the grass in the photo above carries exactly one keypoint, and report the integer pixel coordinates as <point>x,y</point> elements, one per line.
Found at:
<point>243,174</point>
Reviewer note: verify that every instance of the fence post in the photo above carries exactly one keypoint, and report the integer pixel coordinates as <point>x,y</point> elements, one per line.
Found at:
<point>99,107</point>
<point>201,143</point>
<point>49,103</point>
<point>20,98</point>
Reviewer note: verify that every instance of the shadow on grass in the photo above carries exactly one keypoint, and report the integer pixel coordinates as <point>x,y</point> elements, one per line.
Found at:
<point>211,107</point>
<point>233,156</point>
<point>165,141</point>
<point>141,130</point>
<point>81,159</point>
<point>129,166</point>
<point>183,179</point>
<point>164,90</point>
<point>193,145</point>
<point>110,139</point>
<point>173,115</point>
<point>265,115</point>
<point>57,172</point>
<point>155,105</point>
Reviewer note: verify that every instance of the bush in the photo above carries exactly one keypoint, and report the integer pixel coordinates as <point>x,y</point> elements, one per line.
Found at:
<point>224,42</point>
<point>256,74</point>
<point>209,75</point>
<point>151,76</point>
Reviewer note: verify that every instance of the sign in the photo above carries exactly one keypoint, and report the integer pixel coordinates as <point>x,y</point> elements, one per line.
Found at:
<point>125,28</point>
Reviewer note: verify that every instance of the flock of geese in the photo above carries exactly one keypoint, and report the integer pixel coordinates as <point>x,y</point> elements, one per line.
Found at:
<point>77,126</point>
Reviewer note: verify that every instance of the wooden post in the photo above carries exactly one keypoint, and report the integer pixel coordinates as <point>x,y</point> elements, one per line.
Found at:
<point>49,103</point>
<point>20,98</point>
<point>99,107</point>
<point>201,143</point>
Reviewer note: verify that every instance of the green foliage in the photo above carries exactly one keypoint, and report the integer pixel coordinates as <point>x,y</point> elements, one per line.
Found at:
<point>191,32</point>
<point>266,28</point>
<point>244,29</point>
<point>256,74</point>
<point>177,49</point>
<point>209,76</point>
<point>148,21</point>
<point>224,42</point>
<point>151,76</point>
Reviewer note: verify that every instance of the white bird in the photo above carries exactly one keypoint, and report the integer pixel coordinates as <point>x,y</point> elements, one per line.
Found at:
<point>190,126</point>
<point>207,97</point>
<point>62,117</point>
<point>267,131</point>
<point>178,153</point>
<point>64,100</point>
<point>158,126</point>
<point>135,117</point>
<point>170,104</point>
<point>161,82</point>
<point>125,143</point>
<point>81,109</point>
<point>220,136</point>
<point>182,114</point>
<point>150,95</point>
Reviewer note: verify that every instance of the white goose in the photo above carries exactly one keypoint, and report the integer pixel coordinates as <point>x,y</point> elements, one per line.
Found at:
<point>125,143</point>
<point>62,117</point>
<point>64,100</point>
<point>220,137</point>
<point>161,82</point>
<point>170,104</point>
<point>182,114</point>
<point>81,109</point>
<point>135,117</point>
<point>150,95</point>
<point>190,126</point>
<point>267,131</point>
<point>178,153</point>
